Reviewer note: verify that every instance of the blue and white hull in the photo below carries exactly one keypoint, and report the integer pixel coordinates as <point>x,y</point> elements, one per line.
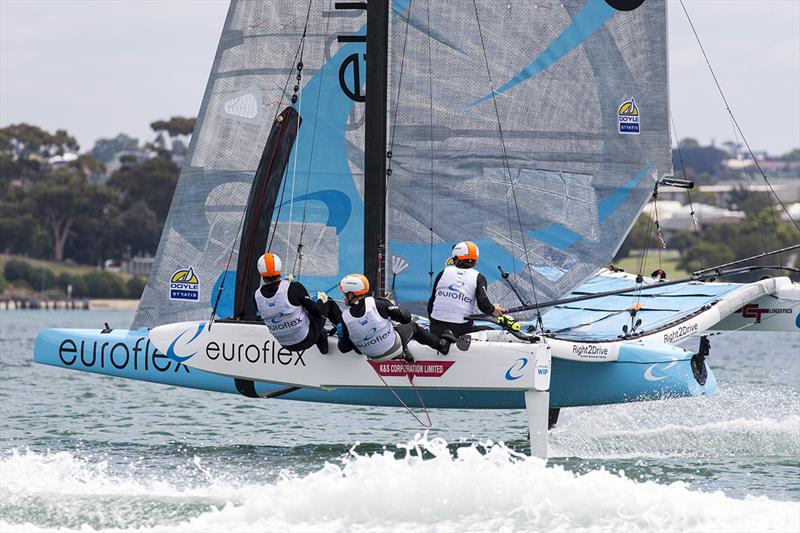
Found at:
<point>641,372</point>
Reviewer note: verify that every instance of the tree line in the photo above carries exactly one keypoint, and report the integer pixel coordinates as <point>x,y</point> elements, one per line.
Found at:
<point>70,208</point>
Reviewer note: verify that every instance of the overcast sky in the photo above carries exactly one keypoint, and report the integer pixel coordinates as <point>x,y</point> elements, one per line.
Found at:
<point>97,68</point>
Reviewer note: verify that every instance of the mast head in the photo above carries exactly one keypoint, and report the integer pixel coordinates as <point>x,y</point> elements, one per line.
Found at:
<point>270,268</point>
<point>354,287</point>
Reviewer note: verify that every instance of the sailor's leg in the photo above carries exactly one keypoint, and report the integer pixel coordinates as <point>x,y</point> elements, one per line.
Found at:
<point>316,335</point>
<point>438,343</point>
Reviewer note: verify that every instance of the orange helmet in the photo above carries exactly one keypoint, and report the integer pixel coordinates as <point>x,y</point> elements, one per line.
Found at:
<point>356,284</point>
<point>269,265</point>
<point>465,251</point>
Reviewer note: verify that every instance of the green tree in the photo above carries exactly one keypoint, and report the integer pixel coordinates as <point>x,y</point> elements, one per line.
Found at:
<point>793,155</point>
<point>152,182</point>
<point>25,140</point>
<point>701,162</point>
<point>175,126</point>
<point>705,254</point>
<point>105,149</point>
<point>63,198</point>
<point>636,237</point>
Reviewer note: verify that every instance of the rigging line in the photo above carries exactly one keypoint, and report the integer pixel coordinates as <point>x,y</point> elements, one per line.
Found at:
<point>294,62</point>
<point>299,67</point>
<point>409,375</point>
<point>297,266</point>
<point>508,169</point>
<point>430,116</point>
<point>399,88</point>
<point>750,192</point>
<point>733,119</point>
<point>688,191</point>
<point>241,219</point>
<point>289,222</point>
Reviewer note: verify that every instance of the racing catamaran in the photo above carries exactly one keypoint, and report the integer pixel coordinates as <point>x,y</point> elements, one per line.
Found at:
<point>538,130</point>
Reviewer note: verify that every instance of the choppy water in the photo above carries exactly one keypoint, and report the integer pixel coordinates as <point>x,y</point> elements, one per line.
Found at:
<point>81,451</point>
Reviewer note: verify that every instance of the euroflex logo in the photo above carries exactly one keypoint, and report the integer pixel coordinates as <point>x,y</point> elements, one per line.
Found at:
<point>184,285</point>
<point>628,117</point>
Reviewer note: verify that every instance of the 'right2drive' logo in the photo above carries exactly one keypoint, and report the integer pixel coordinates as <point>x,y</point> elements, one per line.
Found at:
<point>628,117</point>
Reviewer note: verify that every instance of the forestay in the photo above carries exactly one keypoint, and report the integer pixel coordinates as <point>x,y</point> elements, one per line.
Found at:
<point>251,80</point>
<point>580,91</point>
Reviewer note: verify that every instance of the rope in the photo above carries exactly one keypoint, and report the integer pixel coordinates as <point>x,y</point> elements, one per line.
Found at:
<point>294,98</point>
<point>430,115</point>
<point>404,404</point>
<point>508,167</point>
<point>733,119</point>
<point>297,266</point>
<point>688,191</point>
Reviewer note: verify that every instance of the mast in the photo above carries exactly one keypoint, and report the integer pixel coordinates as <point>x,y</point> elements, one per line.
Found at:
<point>375,143</point>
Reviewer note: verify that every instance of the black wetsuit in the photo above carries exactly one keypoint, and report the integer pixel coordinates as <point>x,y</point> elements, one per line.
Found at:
<point>317,312</point>
<point>403,325</point>
<point>458,329</point>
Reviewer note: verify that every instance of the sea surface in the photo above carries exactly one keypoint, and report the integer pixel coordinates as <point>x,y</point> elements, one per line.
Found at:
<point>87,452</point>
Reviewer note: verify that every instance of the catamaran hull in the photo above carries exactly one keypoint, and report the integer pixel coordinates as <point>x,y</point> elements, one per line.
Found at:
<point>642,372</point>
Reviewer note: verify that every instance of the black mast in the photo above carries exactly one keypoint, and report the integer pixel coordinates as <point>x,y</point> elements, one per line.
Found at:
<point>375,144</point>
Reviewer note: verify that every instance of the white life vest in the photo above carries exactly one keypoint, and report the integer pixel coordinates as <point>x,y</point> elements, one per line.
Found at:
<point>288,323</point>
<point>372,334</point>
<point>455,295</point>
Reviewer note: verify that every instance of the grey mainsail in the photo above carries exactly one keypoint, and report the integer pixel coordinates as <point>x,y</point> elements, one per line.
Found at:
<point>581,95</point>
<point>255,58</point>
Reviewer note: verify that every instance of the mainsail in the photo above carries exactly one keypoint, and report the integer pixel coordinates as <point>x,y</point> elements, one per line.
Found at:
<point>251,80</point>
<point>534,128</point>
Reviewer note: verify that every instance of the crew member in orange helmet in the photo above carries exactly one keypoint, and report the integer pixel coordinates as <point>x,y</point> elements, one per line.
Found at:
<point>460,291</point>
<point>295,320</point>
<point>367,325</point>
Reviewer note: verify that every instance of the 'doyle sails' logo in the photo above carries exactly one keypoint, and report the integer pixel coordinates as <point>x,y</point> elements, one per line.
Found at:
<point>184,285</point>
<point>628,117</point>
<point>184,347</point>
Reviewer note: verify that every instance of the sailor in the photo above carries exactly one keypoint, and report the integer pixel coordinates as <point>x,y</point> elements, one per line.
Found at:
<point>367,325</point>
<point>459,291</point>
<point>295,320</point>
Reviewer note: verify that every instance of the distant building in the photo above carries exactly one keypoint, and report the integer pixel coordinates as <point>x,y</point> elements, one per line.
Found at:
<point>673,216</point>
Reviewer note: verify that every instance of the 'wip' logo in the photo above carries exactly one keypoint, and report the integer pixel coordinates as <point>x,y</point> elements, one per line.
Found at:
<point>183,358</point>
<point>184,285</point>
<point>628,117</point>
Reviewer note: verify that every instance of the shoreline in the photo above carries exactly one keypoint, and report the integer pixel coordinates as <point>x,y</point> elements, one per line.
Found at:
<point>90,304</point>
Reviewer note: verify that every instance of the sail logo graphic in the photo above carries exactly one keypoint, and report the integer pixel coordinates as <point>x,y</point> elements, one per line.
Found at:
<point>244,106</point>
<point>628,118</point>
<point>184,285</point>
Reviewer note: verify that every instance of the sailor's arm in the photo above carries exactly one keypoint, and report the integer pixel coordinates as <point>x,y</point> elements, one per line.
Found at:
<point>345,344</point>
<point>484,304</point>
<point>389,310</point>
<point>298,295</point>
<point>433,292</point>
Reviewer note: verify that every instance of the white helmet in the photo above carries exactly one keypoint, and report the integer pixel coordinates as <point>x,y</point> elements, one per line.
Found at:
<point>357,284</point>
<point>465,251</point>
<point>269,265</point>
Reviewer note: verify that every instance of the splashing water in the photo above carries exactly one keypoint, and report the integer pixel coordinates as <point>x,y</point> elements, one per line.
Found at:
<point>484,486</point>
